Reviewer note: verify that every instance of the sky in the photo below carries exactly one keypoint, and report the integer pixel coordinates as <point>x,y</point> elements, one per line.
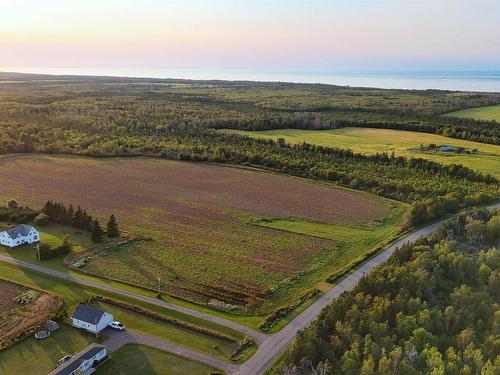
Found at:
<point>263,35</point>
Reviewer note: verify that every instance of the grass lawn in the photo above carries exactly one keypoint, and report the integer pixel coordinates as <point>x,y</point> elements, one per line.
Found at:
<point>403,143</point>
<point>169,332</point>
<point>36,357</point>
<point>51,234</point>
<point>491,112</point>
<point>143,360</point>
<point>73,293</point>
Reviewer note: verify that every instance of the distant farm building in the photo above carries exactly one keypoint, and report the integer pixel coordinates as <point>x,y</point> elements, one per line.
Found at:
<point>20,235</point>
<point>446,148</point>
<point>91,319</point>
<point>82,362</point>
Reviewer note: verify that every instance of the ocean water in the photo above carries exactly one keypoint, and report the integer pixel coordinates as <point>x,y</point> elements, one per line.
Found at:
<point>488,81</point>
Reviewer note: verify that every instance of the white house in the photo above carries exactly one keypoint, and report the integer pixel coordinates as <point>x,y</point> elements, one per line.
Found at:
<point>91,319</point>
<point>82,362</point>
<point>20,235</point>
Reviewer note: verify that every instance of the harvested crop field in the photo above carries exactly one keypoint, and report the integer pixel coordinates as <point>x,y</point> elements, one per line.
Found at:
<point>21,309</point>
<point>197,217</point>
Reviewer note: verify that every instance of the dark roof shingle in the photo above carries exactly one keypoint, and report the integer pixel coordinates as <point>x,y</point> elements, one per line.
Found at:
<point>88,314</point>
<point>71,365</point>
<point>22,230</point>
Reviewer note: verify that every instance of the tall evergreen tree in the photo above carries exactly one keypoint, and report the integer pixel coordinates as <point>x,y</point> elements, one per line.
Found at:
<point>97,232</point>
<point>112,227</point>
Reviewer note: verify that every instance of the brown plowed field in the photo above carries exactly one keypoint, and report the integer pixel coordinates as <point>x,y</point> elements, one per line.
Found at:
<point>195,213</point>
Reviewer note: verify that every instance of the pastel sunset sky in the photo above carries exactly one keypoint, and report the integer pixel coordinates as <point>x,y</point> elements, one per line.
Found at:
<point>224,34</point>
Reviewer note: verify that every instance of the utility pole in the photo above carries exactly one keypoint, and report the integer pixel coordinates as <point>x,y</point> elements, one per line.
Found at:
<point>38,251</point>
<point>159,286</point>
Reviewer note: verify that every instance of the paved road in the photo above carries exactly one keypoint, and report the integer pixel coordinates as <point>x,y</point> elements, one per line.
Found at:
<point>258,336</point>
<point>117,339</point>
<point>276,343</point>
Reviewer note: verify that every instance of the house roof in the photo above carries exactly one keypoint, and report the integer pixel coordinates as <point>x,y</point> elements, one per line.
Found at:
<point>22,230</point>
<point>88,314</point>
<point>71,365</point>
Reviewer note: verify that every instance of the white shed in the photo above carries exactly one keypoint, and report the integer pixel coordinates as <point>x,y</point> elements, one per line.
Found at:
<point>20,235</point>
<point>91,319</point>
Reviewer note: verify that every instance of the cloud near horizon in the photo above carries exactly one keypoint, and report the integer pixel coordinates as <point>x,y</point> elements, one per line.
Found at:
<point>223,34</point>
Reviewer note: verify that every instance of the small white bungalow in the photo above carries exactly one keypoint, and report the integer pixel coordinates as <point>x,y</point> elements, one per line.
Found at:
<point>91,319</point>
<point>20,235</point>
<point>83,362</point>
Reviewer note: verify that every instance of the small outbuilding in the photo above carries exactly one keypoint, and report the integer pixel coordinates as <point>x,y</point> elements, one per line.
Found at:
<point>446,148</point>
<point>91,319</point>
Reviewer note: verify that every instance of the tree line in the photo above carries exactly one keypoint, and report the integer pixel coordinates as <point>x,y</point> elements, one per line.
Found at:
<point>78,218</point>
<point>177,122</point>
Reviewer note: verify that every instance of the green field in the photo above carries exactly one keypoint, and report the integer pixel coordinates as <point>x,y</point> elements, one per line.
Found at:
<point>351,242</point>
<point>35,357</point>
<point>489,113</point>
<point>403,143</point>
<point>143,360</point>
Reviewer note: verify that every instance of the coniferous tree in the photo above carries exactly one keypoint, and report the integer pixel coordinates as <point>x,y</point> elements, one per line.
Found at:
<point>77,218</point>
<point>97,232</point>
<point>112,227</point>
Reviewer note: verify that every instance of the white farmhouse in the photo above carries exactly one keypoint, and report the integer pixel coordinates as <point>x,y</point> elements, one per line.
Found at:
<point>83,362</point>
<point>91,319</point>
<point>20,235</point>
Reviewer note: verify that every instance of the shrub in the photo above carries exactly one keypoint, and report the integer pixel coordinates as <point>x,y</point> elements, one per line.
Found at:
<point>277,315</point>
<point>45,252</point>
<point>27,297</point>
<point>42,220</point>
<point>245,344</point>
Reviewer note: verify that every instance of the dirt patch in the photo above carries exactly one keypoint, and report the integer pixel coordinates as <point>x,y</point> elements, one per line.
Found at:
<point>16,320</point>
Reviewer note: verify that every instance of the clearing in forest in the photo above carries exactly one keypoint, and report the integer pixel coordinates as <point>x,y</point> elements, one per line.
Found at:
<point>489,113</point>
<point>203,228</point>
<point>484,158</point>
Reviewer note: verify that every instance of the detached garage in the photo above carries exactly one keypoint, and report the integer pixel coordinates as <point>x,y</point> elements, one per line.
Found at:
<point>91,319</point>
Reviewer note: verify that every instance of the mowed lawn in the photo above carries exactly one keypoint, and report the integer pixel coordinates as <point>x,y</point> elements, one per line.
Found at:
<point>403,143</point>
<point>51,234</point>
<point>199,342</point>
<point>199,219</point>
<point>36,357</point>
<point>142,360</point>
<point>489,113</point>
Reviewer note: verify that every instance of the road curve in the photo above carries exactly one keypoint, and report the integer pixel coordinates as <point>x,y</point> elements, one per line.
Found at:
<point>117,339</point>
<point>257,336</point>
<point>276,343</point>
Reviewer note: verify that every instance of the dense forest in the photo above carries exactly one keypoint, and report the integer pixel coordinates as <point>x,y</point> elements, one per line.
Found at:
<point>433,308</point>
<point>179,120</point>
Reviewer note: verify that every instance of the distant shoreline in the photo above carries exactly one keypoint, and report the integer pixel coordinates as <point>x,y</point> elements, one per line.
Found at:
<point>483,81</point>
